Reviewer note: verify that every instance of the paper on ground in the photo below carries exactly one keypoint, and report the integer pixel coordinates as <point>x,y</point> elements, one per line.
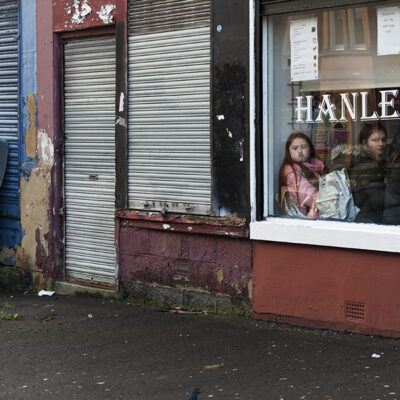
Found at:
<point>46,293</point>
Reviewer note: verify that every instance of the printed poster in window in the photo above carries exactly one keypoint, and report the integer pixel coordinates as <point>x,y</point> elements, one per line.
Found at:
<point>339,136</point>
<point>304,49</point>
<point>388,30</point>
<point>320,139</point>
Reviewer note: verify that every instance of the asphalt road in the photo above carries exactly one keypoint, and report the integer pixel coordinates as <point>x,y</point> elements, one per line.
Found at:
<point>86,348</point>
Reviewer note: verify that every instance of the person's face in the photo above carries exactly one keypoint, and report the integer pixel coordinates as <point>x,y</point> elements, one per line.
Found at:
<point>377,143</point>
<point>299,150</point>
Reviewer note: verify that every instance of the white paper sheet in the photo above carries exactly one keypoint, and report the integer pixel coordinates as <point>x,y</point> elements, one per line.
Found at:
<point>304,49</point>
<point>388,30</point>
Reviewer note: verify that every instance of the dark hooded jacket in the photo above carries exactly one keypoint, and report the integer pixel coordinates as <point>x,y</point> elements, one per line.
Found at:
<point>367,179</point>
<point>391,214</point>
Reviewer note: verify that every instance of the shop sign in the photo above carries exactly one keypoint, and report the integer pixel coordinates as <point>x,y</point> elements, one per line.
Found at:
<point>328,109</point>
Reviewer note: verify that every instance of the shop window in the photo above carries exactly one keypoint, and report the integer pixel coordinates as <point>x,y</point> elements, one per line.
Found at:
<point>332,111</point>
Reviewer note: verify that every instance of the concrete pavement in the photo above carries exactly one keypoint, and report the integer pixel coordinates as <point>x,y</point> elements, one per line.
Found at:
<point>65,347</point>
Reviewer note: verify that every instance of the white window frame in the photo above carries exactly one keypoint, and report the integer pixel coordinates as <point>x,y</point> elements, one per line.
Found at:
<point>302,231</point>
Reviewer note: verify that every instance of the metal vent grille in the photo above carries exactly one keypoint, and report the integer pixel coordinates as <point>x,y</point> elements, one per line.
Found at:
<point>354,311</point>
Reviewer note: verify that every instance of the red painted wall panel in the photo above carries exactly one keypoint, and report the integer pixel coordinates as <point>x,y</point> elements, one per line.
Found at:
<point>310,285</point>
<point>214,263</point>
<point>72,15</point>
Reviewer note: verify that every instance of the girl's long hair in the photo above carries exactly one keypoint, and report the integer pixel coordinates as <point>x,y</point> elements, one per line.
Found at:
<point>287,160</point>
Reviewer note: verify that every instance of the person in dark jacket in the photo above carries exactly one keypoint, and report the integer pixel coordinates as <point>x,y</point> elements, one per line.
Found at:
<point>366,167</point>
<point>391,213</point>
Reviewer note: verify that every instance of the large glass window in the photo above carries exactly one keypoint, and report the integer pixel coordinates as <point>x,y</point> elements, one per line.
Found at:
<point>332,114</point>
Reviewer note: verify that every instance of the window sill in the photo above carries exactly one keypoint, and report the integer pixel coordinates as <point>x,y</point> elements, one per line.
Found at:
<point>328,233</point>
<point>183,223</point>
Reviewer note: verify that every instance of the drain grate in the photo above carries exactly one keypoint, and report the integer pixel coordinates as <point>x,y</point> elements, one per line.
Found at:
<point>355,311</point>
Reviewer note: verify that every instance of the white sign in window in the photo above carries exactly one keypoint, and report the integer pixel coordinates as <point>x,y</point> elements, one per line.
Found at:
<point>304,49</point>
<point>388,19</point>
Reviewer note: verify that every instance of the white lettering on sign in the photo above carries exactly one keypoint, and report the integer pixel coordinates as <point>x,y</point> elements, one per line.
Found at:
<point>300,109</point>
<point>385,103</point>
<point>351,108</point>
<point>327,107</point>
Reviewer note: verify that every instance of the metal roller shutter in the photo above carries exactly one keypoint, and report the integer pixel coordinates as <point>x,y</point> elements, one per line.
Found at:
<point>169,105</point>
<point>9,192</point>
<point>89,123</point>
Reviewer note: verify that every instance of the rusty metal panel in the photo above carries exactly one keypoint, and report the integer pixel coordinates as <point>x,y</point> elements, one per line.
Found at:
<point>9,44</point>
<point>89,124</point>
<point>169,117</point>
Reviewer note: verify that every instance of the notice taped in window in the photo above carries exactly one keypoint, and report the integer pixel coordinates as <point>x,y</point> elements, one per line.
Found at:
<point>388,30</point>
<point>304,50</point>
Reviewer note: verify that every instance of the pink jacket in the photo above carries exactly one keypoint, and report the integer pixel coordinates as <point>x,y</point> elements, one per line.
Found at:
<point>303,193</point>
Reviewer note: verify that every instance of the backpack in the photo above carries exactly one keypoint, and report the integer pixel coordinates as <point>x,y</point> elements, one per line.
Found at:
<point>335,198</point>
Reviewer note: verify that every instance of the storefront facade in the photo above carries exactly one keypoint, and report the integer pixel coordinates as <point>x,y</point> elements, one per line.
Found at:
<point>329,74</point>
<point>149,106</point>
<point>161,161</point>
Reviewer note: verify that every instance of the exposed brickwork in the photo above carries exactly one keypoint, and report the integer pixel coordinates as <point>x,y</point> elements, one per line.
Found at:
<point>214,263</point>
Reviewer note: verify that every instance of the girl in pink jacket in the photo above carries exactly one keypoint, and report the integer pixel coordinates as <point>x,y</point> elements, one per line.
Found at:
<point>299,175</point>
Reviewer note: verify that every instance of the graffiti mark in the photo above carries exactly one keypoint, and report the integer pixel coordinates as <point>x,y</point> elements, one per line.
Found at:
<point>220,117</point>
<point>229,133</point>
<point>105,13</point>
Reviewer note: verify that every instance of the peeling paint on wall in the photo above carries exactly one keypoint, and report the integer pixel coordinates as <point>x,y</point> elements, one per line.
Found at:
<point>235,285</point>
<point>105,13</point>
<point>82,10</point>
<point>35,193</point>
<point>45,149</point>
<point>220,275</point>
<point>250,289</point>
<point>121,102</point>
<point>31,134</point>
<point>120,121</point>
<point>7,256</point>
<point>34,216</point>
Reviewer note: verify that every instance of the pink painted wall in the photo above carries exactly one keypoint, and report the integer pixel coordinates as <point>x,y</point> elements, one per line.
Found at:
<point>309,285</point>
<point>45,69</point>
<point>68,18</point>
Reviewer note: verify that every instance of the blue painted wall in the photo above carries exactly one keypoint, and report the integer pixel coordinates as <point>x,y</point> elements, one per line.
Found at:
<point>11,232</point>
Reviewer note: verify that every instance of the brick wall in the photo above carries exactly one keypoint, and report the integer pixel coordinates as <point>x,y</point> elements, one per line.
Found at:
<point>214,263</point>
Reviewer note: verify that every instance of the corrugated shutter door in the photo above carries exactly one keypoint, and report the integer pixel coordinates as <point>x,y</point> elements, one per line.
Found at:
<point>9,192</point>
<point>169,105</point>
<point>89,101</point>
